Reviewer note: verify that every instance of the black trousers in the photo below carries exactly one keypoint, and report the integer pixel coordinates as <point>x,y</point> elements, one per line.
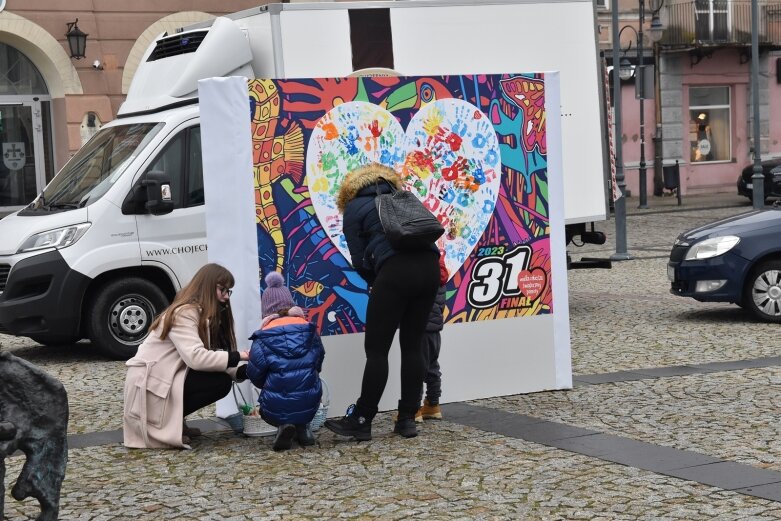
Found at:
<point>401,298</point>
<point>432,341</point>
<point>202,388</point>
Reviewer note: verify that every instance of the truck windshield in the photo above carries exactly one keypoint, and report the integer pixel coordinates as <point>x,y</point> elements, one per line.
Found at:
<point>95,167</point>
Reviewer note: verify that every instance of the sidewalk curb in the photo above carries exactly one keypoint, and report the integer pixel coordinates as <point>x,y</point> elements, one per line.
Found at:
<point>676,209</point>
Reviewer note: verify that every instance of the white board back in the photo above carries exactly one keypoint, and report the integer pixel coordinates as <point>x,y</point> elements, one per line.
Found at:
<point>432,38</point>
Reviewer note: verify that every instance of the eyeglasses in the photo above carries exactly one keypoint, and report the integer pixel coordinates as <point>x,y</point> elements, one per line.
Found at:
<point>225,291</point>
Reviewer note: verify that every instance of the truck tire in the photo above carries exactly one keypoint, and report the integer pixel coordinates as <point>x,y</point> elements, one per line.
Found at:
<point>762,292</point>
<point>120,315</point>
<point>54,340</point>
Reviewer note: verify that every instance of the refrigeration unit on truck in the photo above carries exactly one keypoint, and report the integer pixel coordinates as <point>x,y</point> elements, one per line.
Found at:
<point>99,252</point>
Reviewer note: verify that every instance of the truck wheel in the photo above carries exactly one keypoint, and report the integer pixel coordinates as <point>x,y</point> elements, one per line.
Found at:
<point>121,313</point>
<point>54,340</point>
<point>762,292</point>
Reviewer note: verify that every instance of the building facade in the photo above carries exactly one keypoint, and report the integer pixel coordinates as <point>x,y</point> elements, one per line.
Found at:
<point>50,103</point>
<point>698,106</point>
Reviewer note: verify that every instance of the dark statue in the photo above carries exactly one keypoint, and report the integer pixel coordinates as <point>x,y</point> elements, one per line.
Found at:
<point>34,420</point>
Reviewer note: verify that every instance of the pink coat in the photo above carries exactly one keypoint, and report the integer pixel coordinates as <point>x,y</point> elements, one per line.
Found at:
<point>154,386</point>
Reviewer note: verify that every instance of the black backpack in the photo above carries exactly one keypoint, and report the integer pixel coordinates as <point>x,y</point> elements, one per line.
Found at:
<point>407,223</point>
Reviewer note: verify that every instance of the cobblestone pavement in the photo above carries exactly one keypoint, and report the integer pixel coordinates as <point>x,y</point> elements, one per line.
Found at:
<point>621,319</point>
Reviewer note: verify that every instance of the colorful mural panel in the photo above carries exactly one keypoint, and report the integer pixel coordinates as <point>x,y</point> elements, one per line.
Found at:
<point>472,148</point>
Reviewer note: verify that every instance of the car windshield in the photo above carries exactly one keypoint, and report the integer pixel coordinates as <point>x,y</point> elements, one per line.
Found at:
<point>96,167</point>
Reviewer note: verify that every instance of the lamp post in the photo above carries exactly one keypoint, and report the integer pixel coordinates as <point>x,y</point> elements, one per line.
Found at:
<point>758,178</point>
<point>620,203</point>
<point>654,35</point>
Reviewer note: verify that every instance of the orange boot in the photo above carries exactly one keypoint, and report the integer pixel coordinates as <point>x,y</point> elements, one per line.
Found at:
<point>429,412</point>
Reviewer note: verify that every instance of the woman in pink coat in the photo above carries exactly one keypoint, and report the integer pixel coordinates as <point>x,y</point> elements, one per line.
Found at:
<point>187,362</point>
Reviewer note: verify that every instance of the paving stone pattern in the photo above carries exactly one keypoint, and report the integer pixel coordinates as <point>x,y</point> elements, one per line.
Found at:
<point>622,319</point>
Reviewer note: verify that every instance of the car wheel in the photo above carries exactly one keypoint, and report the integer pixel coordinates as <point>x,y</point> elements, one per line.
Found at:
<point>54,340</point>
<point>121,313</point>
<point>762,293</point>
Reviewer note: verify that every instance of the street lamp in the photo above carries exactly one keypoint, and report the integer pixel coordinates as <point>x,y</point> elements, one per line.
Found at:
<point>622,252</point>
<point>654,35</point>
<point>77,40</point>
<point>619,204</point>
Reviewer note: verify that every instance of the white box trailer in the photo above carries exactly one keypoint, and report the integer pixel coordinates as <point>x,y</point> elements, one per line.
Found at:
<point>97,254</point>
<point>429,37</point>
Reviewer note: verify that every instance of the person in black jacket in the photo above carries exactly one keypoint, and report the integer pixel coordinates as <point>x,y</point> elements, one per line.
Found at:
<point>402,287</point>
<point>432,341</point>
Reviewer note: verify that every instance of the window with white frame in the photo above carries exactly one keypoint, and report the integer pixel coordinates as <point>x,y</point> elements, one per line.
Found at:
<point>712,20</point>
<point>709,124</point>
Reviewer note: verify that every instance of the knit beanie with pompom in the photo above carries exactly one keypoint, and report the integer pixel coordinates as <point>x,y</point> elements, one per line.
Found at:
<point>276,296</point>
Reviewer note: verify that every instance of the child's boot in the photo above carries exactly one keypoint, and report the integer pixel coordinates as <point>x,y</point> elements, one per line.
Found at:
<point>357,423</point>
<point>284,438</point>
<point>430,411</point>
<point>304,435</point>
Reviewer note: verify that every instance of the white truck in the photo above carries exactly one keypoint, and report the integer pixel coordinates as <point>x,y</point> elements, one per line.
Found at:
<point>99,252</point>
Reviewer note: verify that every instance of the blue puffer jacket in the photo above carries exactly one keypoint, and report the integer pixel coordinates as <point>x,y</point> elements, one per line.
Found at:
<point>285,363</point>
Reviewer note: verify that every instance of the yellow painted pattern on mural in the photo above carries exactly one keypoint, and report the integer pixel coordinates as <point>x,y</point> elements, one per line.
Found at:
<point>273,156</point>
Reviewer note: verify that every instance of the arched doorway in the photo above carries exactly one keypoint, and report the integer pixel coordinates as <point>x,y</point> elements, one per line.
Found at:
<point>25,130</point>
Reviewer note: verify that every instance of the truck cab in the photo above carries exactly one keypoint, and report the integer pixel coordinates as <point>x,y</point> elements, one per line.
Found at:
<point>121,228</point>
<point>95,255</point>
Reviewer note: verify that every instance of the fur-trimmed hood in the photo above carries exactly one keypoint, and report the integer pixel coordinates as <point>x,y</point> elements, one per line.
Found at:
<point>362,177</point>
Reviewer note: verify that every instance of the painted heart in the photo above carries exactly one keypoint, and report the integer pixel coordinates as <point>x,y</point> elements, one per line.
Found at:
<point>449,157</point>
<point>532,282</point>
<point>348,136</point>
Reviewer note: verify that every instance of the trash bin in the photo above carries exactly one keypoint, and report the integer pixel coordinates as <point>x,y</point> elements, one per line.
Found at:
<point>671,175</point>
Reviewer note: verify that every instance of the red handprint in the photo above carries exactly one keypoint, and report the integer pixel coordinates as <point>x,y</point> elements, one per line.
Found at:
<point>452,172</point>
<point>374,128</point>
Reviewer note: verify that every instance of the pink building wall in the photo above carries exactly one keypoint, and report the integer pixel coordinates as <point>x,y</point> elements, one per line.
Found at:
<point>722,68</point>
<point>113,28</point>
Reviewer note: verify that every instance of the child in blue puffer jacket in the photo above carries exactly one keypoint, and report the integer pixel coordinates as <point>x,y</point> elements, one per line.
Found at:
<point>285,363</point>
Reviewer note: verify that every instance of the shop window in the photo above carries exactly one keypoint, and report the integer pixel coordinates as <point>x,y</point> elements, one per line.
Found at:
<point>709,124</point>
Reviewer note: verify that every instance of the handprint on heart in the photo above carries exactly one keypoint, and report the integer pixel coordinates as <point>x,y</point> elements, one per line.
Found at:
<point>449,157</point>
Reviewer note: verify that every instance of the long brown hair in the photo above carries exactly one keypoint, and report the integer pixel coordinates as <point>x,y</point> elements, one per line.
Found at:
<point>202,292</point>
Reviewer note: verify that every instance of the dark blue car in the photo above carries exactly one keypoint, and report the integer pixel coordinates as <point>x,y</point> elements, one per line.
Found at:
<point>735,260</point>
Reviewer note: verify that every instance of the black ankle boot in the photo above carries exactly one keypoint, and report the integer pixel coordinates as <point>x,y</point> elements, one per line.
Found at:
<point>355,424</point>
<point>284,438</point>
<point>406,427</point>
<point>304,435</point>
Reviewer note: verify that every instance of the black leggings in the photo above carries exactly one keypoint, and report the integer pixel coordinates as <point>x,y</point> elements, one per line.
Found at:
<point>202,388</point>
<point>401,298</point>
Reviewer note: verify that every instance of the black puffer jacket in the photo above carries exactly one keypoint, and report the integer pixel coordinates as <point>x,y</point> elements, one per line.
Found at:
<point>435,320</point>
<point>369,248</point>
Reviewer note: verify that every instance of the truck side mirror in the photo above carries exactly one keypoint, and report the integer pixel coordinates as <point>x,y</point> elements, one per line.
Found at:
<point>158,193</point>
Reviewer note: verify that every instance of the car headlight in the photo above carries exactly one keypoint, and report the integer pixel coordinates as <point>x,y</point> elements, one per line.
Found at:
<point>712,247</point>
<point>57,238</point>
